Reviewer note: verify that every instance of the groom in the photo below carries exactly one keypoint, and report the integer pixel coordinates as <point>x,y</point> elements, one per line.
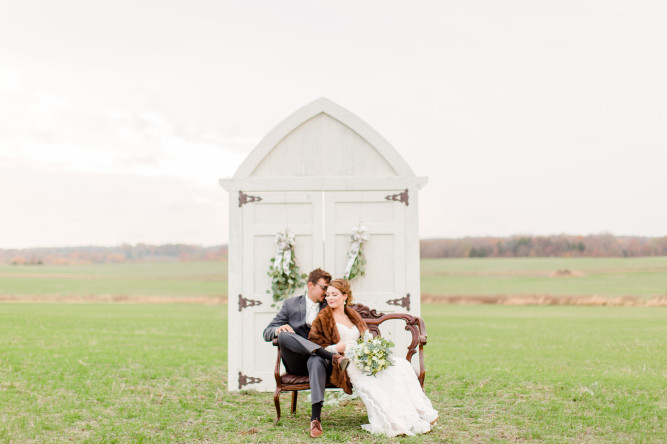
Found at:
<point>300,356</point>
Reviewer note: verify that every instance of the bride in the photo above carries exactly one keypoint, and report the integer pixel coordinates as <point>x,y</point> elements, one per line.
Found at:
<point>394,400</point>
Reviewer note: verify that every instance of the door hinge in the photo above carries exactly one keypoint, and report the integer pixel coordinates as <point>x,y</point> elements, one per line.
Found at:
<point>245,303</point>
<point>245,380</point>
<point>400,197</point>
<point>401,302</point>
<point>247,198</point>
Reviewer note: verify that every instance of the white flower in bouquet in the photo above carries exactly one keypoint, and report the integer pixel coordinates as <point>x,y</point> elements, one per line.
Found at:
<point>372,354</point>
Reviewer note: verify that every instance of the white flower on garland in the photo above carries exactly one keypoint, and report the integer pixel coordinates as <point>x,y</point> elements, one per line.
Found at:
<point>355,257</point>
<point>284,271</point>
<point>284,247</point>
<point>372,354</point>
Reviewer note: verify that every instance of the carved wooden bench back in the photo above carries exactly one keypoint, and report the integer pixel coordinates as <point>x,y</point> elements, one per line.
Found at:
<point>413,324</point>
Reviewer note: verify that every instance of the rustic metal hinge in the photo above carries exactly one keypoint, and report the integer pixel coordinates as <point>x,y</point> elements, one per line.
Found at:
<point>245,380</point>
<point>401,302</point>
<point>400,197</point>
<point>244,303</point>
<point>246,198</point>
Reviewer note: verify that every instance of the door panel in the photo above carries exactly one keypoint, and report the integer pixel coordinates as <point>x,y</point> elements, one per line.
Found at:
<point>385,270</point>
<point>301,213</point>
<point>385,278</point>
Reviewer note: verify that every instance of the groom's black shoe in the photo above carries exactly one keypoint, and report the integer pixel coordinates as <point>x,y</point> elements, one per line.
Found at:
<point>341,361</point>
<point>315,429</point>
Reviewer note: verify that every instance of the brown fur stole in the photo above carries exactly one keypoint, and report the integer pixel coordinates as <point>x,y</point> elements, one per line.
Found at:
<point>324,332</point>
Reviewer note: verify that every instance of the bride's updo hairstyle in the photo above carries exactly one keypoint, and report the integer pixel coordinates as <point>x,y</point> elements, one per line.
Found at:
<point>344,286</point>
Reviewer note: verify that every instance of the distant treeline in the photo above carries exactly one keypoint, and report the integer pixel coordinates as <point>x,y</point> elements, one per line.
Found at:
<point>600,245</point>
<point>122,253</point>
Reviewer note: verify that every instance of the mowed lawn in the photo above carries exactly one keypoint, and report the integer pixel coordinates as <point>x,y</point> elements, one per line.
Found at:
<point>157,372</point>
<point>640,278</point>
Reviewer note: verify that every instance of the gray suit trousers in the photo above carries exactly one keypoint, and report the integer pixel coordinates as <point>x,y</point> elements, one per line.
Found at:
<point>298,357</point>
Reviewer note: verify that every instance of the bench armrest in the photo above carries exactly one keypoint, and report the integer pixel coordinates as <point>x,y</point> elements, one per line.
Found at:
<point>276,371</point>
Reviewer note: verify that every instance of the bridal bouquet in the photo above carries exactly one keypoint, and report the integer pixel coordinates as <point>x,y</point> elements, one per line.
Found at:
<point>372,354</point>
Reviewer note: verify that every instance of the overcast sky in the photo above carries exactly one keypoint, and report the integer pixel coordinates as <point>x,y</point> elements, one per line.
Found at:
<point>528,117</point>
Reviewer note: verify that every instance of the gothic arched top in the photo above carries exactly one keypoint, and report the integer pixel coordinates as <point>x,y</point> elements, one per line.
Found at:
<point>323,139</point>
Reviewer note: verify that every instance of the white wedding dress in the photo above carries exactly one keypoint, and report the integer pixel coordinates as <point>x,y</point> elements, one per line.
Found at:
<point>395,402</point>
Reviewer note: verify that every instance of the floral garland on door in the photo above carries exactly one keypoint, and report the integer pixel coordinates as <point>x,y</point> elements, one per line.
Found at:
<point>286,277</point>
<point>356,262</point>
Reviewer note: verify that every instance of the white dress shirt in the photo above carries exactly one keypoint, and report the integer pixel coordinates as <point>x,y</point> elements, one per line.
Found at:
<point>312,308</point>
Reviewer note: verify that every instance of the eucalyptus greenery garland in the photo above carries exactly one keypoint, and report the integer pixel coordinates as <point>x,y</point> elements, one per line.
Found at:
<point>358,266</point>
<point>356,262</point>
<point>283,285</point>
<point>286,277</point>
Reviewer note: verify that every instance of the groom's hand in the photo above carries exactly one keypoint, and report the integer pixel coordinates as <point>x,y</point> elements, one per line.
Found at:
<point>284,328</point>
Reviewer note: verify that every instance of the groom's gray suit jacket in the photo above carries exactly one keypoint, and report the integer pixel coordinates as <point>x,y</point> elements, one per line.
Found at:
<point>293,312</point>
<point>297,350</point>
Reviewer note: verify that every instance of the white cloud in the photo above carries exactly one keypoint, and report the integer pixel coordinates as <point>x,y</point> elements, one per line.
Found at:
<point>50,131</point>
<point>11,80</point>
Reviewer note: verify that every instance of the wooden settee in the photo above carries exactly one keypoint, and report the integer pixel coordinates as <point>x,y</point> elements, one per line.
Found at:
<point>287,382</point>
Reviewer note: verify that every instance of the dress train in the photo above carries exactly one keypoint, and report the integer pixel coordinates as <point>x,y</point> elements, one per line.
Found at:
<point>395,402</point>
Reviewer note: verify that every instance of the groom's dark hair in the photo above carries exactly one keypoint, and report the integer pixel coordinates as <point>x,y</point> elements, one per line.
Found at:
<point>318,274</point>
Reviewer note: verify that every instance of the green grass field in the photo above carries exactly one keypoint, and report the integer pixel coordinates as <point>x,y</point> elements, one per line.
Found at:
<point>642,278</point>
<point>157,373</point>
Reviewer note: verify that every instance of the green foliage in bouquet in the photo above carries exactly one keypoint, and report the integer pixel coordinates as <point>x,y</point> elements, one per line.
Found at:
<point>283,285</point>
<point>373,354</point>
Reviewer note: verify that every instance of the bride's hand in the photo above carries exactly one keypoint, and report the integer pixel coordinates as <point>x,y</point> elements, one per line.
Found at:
<point>340,347</point>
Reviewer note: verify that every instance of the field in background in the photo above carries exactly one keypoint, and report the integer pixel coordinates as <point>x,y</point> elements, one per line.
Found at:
<point>546,280</point>
<point>157,372</point>
<point>508,280</point>
<point>204,281</point>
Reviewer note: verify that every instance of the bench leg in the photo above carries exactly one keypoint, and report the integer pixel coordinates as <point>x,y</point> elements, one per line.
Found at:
<point>295,395</point>
<point>276,400</point>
